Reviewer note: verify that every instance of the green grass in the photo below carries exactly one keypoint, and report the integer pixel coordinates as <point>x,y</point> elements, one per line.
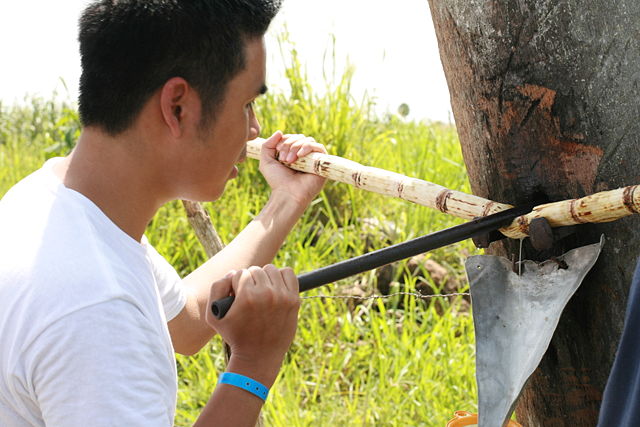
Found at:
<point>400,361</point>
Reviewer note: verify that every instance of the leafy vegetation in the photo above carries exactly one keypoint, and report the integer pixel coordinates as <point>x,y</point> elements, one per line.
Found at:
<point>399,361</point>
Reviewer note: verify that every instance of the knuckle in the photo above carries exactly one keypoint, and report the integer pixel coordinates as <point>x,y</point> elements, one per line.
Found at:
<point>270,268</point>
<point>289,274</point>
<point>245,275</point>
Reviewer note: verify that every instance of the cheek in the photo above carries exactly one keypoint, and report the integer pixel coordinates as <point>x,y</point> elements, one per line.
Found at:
<point>231,138</point>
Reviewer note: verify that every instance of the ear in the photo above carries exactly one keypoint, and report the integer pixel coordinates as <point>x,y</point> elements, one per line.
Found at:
<point>176,105</point>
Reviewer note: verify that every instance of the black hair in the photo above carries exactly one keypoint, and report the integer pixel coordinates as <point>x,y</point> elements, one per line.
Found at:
<point>130,48</point>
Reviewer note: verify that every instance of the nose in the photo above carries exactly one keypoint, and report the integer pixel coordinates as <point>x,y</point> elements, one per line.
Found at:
<point>254,125</point>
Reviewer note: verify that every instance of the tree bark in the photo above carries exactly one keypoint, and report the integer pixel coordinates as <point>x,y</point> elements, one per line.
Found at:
<point>545,95</point>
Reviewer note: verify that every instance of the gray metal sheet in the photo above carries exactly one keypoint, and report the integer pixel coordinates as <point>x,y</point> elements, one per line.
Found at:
<point>514,318</point>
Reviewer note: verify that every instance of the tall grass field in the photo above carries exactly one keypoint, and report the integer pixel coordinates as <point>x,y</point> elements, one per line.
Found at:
<point>399,361</point>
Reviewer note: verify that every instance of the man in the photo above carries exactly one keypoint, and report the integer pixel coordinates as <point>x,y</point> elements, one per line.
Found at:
<point>90,313</point>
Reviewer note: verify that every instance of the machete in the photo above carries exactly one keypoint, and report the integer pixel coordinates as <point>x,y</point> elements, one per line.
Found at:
<point>375,259</point>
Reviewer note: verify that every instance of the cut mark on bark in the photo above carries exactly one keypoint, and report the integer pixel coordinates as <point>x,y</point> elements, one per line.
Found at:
<point>530,111</point>
<point>526,119</point>
<point>629,199</point>
<point>441,200</point>
<point>545,96</point>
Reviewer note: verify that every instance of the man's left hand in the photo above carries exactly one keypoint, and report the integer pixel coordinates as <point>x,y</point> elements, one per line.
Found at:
<point>301,186</point>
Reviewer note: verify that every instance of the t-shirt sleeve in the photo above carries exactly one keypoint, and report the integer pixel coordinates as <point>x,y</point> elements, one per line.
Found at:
<point>104,365</point>
<point>169,284</point>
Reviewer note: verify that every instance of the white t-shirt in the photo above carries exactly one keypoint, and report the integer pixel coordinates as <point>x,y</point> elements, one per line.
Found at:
<point>83,314</point>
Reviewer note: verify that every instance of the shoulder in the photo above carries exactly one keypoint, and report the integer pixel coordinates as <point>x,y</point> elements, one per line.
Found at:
<point>40,183</point>
<point>64,257</point>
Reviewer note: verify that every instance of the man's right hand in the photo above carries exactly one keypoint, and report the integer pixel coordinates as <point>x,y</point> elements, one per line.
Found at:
<point>262,321</point>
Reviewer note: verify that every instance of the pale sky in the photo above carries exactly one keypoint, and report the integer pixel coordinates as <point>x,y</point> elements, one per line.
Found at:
<point>393,49</point>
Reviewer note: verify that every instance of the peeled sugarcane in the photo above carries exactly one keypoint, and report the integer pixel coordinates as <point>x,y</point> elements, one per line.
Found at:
<point>605,206</point>
<point>456,203</point>
<point>599,207</point>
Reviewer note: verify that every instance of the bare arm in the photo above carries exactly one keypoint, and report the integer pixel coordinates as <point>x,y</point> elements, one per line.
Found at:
<point>257,244</point>
<point>259,328</point>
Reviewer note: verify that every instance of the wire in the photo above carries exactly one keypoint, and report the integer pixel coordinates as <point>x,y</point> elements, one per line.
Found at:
<point>413,294</point>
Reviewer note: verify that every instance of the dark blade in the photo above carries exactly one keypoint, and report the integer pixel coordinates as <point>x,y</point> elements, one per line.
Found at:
<point>375,259</point>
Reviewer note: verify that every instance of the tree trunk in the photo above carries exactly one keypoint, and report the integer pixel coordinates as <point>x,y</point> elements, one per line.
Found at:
<point>545,95</point>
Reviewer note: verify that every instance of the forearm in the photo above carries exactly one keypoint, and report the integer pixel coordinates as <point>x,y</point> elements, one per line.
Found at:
<point>257,244</point>
<point>232,406</point>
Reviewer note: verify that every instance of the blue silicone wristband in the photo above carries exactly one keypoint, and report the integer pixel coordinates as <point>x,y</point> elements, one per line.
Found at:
<point>246,383</point>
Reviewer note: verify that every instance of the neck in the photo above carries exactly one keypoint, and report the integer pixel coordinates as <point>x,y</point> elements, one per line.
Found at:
<point>118,174</point>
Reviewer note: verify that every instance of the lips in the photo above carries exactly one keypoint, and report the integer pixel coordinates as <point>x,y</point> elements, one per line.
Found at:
<point>241,159</point>
<point>243,156</point>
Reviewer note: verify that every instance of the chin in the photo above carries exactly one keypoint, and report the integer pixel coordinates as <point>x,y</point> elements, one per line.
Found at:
<point>208,195</point>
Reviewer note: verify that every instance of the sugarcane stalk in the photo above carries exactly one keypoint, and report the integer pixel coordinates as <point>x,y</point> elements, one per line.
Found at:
<point>605,206</point>
<point>456,203</point>
<point>599,207</point>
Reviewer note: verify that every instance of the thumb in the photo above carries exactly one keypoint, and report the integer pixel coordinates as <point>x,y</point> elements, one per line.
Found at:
<point>220,289</point>
<point>268,150</point>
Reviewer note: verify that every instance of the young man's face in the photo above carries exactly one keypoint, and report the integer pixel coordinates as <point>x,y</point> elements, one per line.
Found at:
<point>224,143</point>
